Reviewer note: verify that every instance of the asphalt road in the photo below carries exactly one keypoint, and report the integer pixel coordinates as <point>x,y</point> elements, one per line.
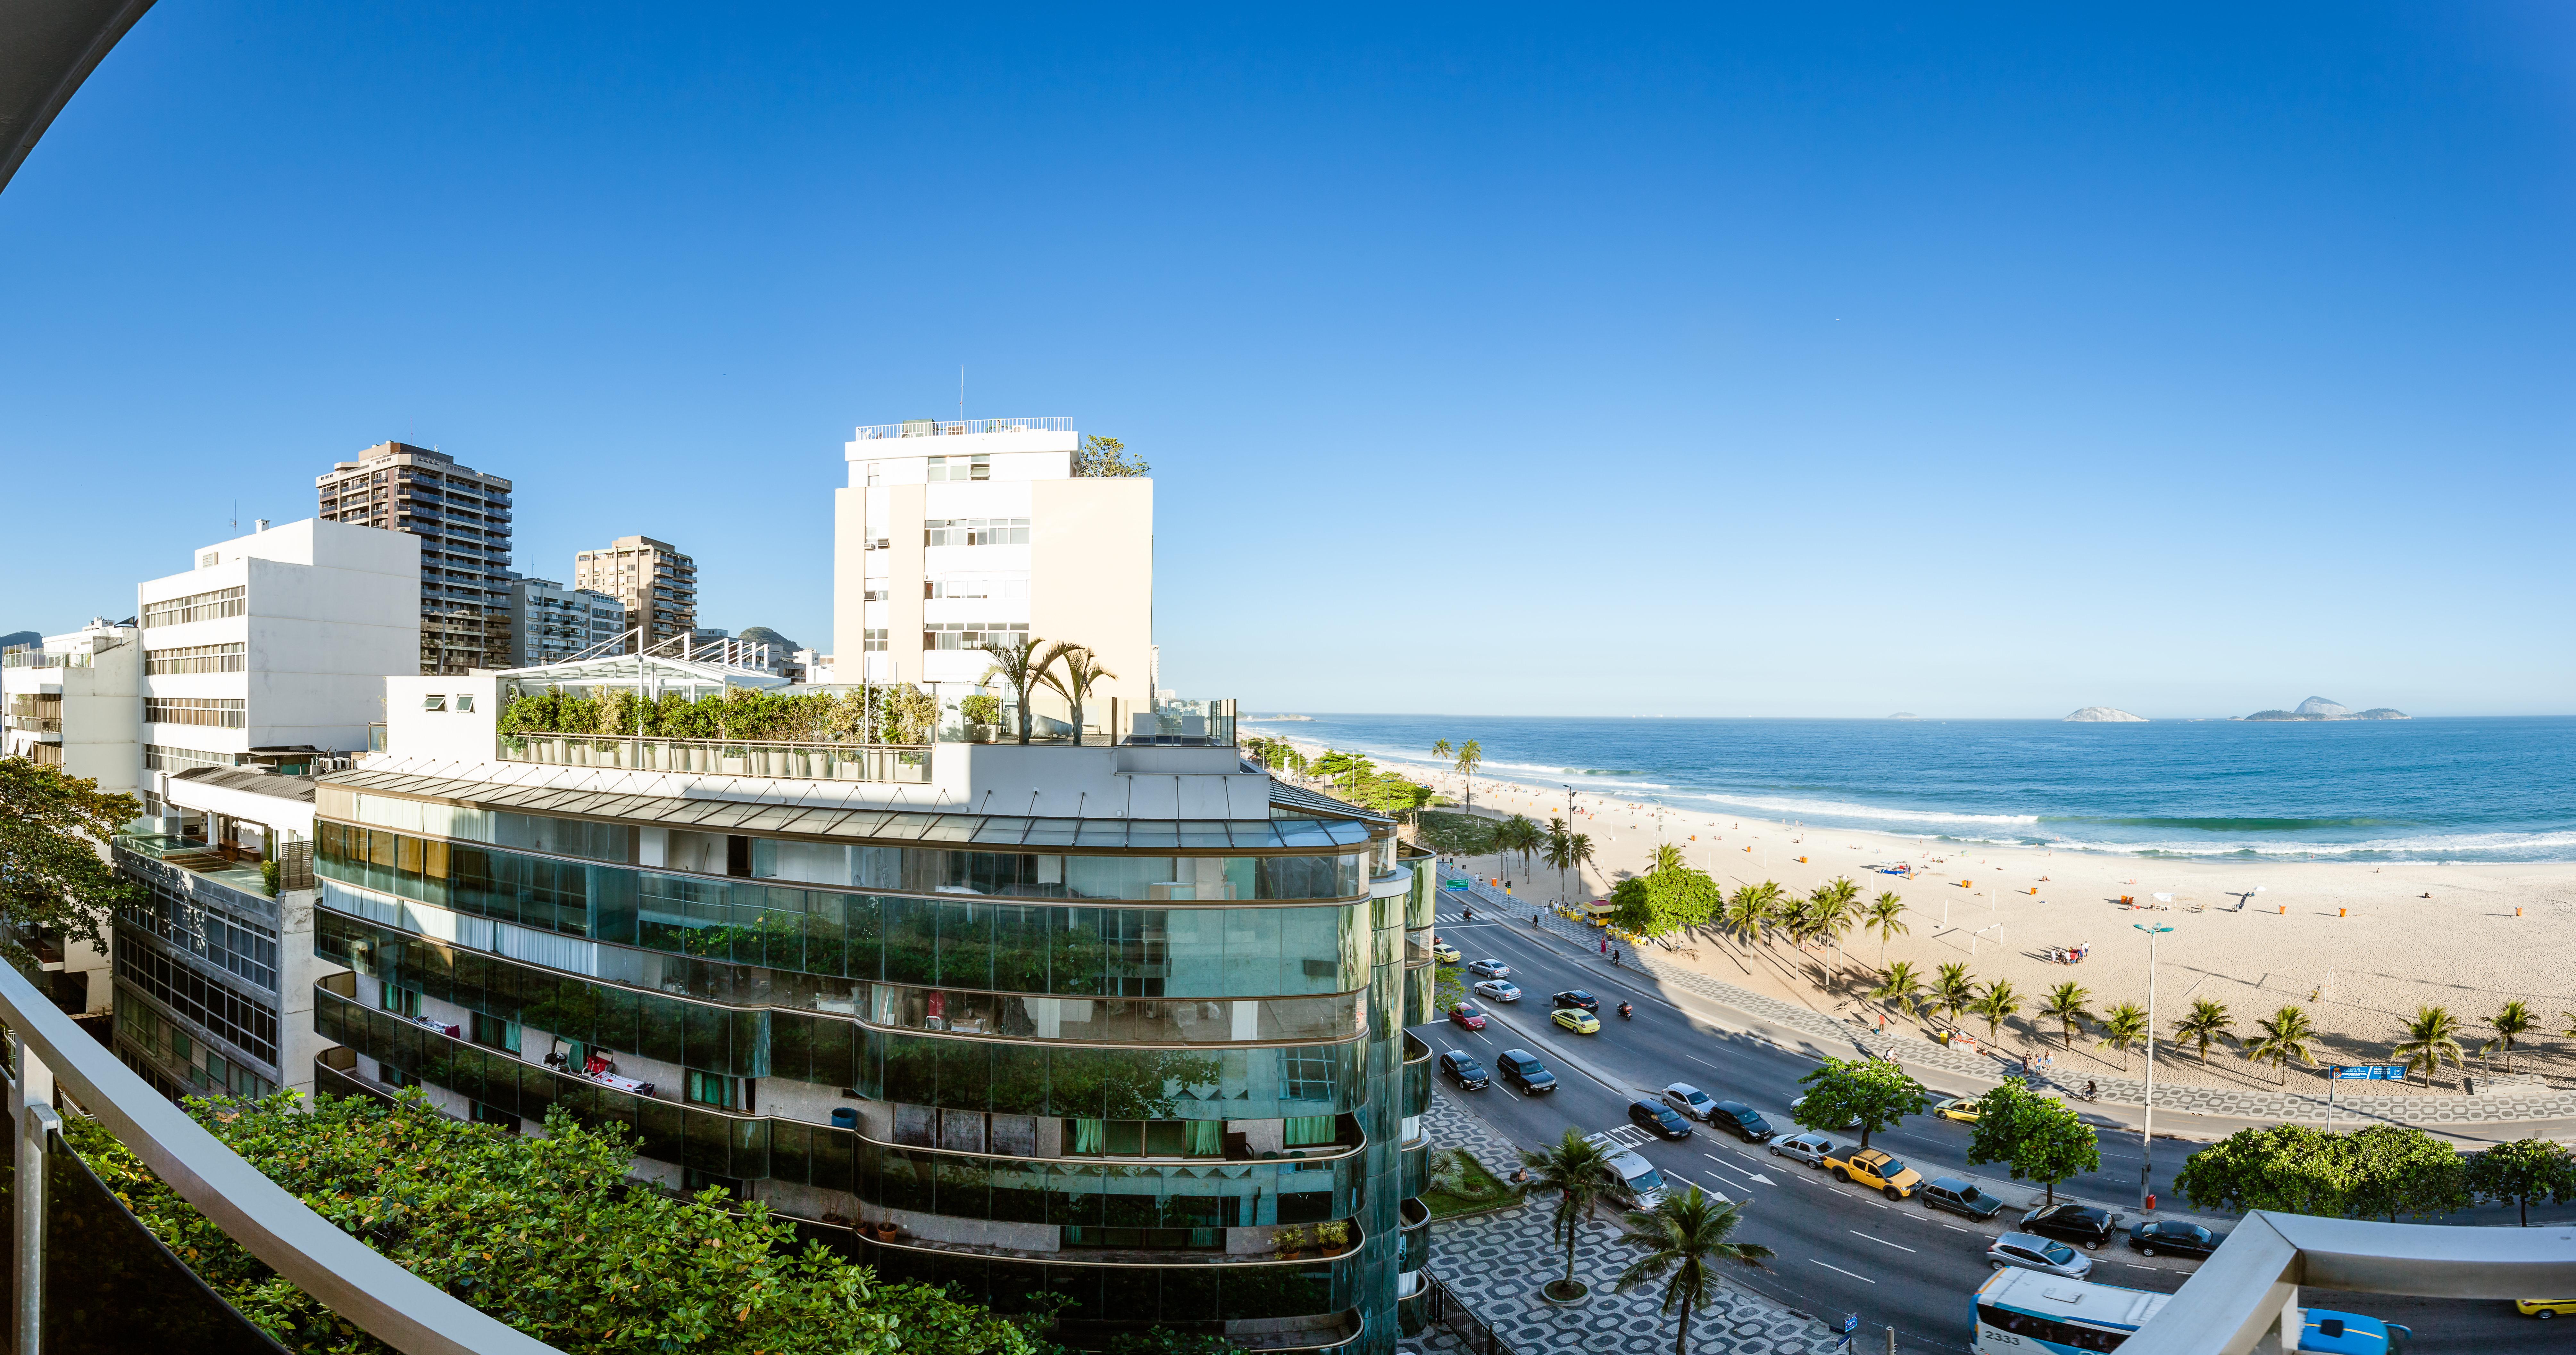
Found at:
<point>1840,1248</point>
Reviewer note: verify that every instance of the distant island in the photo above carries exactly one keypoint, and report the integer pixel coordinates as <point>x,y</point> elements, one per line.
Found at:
<point>2104,715</point>
<point>1266,719</point>
<point>1905,715</point>
<point>2319,708</point>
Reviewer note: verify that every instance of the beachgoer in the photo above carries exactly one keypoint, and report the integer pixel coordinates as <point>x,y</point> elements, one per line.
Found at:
<point>2088,1089</point>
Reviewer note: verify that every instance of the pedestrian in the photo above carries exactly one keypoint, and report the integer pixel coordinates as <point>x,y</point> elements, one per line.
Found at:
<point>1605,945</point>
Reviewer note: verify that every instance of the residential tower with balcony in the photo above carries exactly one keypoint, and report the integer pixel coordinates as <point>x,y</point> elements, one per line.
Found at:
<point>462,519</point>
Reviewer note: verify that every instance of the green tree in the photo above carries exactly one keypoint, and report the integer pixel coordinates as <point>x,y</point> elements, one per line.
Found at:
<point>2284,1035</point>
<point>1558,851</point>
<point>1579,1171</point>
<point>2039,1138</point>
<point>2522,1171</point>
<point>1165,1341</point>
<point>1744,915</point>
<point>1021,666</point>
<point>2065,1006</point>
<point>1998,1004</point>
<point>51,877</point>
<point>2123,1028</point>
<point>2399,1169</point>
<point>1900,987</point>
<point>1953,991</point>
<point>1519,834</point>
<point>1440,749</point>
<point>1071,671</point>
<point>1106,458</point>
<point>2432,1036</point>
<point>1668,856</point>
<point>1471,755</point>
<point>1665,901</point>
<point>2513,1021</point>
<point>2206,1021</point>
<point>1886,917</point>
<point>2383,1171</point>
<point>1875,1092</point>
<point>1683,1237</point>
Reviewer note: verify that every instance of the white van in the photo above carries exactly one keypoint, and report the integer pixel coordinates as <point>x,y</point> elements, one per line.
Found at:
<point>1644,1182</point>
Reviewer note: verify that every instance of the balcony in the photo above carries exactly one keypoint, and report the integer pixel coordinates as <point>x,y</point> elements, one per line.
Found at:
<point>896,764</point>
<point>1309,1244</point>
<point>223,864</point>
<point>929,428</point>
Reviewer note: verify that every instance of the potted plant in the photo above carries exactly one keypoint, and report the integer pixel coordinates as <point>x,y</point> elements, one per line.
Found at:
<point>1290,1240</point>
<point>1332,1237</point>
<point>884,1230</point>
<point>983,717</point>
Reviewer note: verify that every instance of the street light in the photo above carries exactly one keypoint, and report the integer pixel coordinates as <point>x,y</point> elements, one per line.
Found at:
<point>2147,1139</point>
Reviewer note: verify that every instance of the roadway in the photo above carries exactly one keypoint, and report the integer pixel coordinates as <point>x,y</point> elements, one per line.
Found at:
<point>1841,1248</point>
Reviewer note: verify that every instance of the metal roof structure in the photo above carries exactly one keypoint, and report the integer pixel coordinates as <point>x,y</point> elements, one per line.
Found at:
<point>1285,796</point>
<point>256,783</point>
<point>651,671</point>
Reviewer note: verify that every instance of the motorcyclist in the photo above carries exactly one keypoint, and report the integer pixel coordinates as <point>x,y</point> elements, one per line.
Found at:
<point>1627,1010</point>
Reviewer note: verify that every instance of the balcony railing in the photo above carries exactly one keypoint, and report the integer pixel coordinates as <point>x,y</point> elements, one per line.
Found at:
<point>37,724</point>
<point>930,428</point>
<point>37,658</point>
<point>901,764</point>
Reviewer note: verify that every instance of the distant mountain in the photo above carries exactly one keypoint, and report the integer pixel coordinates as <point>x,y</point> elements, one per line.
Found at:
<point>2319,708</point>
<point>2104,715</point>
<point>2318,705</point>
<point>17,638</point>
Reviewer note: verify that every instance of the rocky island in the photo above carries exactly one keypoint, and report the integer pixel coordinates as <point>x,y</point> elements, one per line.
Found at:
<point>2319,708</point>
<point>2104,715</point>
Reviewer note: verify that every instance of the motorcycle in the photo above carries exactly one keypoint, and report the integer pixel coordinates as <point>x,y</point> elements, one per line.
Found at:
<point>1627,1011</point>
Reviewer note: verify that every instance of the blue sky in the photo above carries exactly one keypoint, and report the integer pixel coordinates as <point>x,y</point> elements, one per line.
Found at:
<point>1694,361</point>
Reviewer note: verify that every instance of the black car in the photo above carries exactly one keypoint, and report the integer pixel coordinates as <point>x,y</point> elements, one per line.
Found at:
<point>1741,1120</point>
<point>1657,1118</point>
<point>1959,1197</point>
<point>1574,997</point>
<point>1463,1069</point>
<point>2173,1237</point>
<point>2082,1225</point>
<point>1522,1069</point>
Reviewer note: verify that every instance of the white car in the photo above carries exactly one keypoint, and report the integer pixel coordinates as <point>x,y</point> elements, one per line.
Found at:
<point>1492,969</point>
<point>1495,990</point>
<point>2040,1254</point>
<point>1689,1100</point>
<point>1807,1148</point>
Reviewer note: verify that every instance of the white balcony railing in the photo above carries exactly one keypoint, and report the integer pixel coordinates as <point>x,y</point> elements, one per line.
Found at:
<point>932,428</point>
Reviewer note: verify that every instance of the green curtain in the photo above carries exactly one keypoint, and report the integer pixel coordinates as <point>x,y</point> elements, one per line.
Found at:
<point>1307,1130</point>
<point>1087,1135</point>
<point>1206,1138</point>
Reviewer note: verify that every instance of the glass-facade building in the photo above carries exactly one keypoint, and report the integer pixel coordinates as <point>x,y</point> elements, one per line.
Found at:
<point>1155,1066</point>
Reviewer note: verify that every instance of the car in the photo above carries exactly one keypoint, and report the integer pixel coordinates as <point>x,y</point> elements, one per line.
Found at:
<point>1852,1123</point>
<point>2173,1237</point>
<point>1959,1197</point>
<point>1575,997</point>
<point>1444,952</point>
<point>1577,1020</point>
<point>1742,1121</point>
<point>1689,1100</point>
<point>1645,1184</point>
<point>1659,1119</point>
<point>1492,969</point>
<point>2353,1334</point>
<point>1808,1148</point>
<point>1498,991</point>
<point>1522,1069</point>
<point>2083,1225</point>
<point>1464,1070</point>
<point>1875,1168</point>
<point>1466,1016</point>
<point>1957,1108</point>
<point>2544,1308</point>
<point>2040,1254</point>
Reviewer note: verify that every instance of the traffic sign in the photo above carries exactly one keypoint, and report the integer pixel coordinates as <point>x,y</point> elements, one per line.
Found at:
<point>2369,1072</point>
<point>1453,884</point>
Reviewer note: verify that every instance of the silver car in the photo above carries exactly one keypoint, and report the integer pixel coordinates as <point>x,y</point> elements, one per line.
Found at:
<point>1492,969</point>
<point>1807,1148</point>
<point>2038,1253</point>
<point>1689,1100</point>
<point>1498,991</point>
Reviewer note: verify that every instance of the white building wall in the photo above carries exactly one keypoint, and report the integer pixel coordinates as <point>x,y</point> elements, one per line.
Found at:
<point>101,708</point>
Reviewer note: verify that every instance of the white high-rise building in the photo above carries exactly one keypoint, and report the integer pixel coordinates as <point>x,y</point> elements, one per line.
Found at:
<point>276,646</point>
<point>550,623</point>
<point>952,535</point>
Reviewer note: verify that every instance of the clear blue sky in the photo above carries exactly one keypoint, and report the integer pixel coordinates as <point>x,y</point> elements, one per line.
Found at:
<point>1993,362</point>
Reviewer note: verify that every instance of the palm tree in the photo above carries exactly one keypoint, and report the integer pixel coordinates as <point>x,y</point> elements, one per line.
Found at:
<point>1681,1237</point>
<point>1018,664</point>
<point>1440,748</point>
<point>1953,990</point>
<point>1886,917</point>
<point>1900,985</point>
<point>1667,857</point>
<point>1471,755</point>
<point>1558,851</point>
<point>2432,1036</point>
<point>2285,1035</point>
<point>2515,1020</point>
<point>1743,915</point>
<point>1998,1004</point>
<point>2123,1026</point>
<point>1519,834</point>
<point>2065,1006</point>
<point>1579,848</point>
<point>1580,1172</point>
<point>1081,671</point>
<point>1774,909</point>
<point>2208,1021</point>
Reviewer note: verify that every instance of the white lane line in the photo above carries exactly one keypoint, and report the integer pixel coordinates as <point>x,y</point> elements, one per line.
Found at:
<point>1838,1270</point>
<point>1703,1063</point>
<point>1957,1229</point>
<point>1879,1240</point>
<point>1737,1170</point>
<point>1724,1185</point>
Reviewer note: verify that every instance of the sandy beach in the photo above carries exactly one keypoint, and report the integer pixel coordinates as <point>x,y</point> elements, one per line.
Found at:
<point>2358,946</point>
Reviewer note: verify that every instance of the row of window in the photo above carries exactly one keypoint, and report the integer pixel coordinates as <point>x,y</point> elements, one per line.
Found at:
<point>1009,590</point>
<point>157,758</point>
<point>224,658</point>
<point>207,1071</point>
<point>500,828</point>
<point>975,532</point>
<point>243,948</point>
<point>971,634</point>
<point>244,1023</point>
<point>212,712</point>
<point>947,469</point>
<point>207,606</point>
<point>438,701</point>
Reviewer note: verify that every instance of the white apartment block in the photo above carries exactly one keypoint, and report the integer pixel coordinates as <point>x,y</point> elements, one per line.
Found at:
<point>954,534</point>
<point>550,623</point>
<point>76,704</point>
<point>276,646</point>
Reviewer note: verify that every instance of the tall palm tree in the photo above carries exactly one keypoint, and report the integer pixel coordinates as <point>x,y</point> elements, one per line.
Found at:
<point>2432,1036</point>
<point>2065,1006</point>
<point>1953,990</point>
<point>1668,856</point>
<point>1774,907</point>
<point>2284,1035</point>
<point>1071,671</point>
<point>1579,847</point>
<point>1440,749</point>
<point>2512,1022</point>
<point>1020,666</point>
<point>2123,1027</point>
<point>1682,1237</point>
<point>1743,915</point>
<point>1519,834</point>
<point>1998,1004</point>
<point>1580,1172</point>
<point>2207,1021</point>
<point>1886,917</point>
<point>1471,755</point>
<point>1899,984</point>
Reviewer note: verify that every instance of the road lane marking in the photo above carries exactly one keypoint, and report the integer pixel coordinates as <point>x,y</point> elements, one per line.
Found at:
<point>1957,1229</point>
<point>1838,1270</point>
<point>1879,1240</point>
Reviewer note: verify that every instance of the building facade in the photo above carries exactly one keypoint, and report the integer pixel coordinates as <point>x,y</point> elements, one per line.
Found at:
<point>656,583</point>
<point>74,701</point>
<point>953,535</point>
<point>275,647</point>
<point>1137,1041</point>
<point>462,518</point>
<point>550,623</point>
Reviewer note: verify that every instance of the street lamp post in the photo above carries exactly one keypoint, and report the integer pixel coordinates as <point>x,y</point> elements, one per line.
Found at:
<point>2147,1137</point>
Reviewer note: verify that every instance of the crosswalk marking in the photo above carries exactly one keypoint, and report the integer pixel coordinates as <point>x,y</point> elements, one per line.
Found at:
<point>1628,1136</point>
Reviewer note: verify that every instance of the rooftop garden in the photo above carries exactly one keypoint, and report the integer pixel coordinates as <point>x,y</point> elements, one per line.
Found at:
<point>894,714</point>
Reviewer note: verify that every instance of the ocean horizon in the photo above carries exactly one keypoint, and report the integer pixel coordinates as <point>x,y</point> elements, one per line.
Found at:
<point>2436,788</point>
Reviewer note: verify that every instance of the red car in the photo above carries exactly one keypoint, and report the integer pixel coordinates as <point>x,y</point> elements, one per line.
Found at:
<point>1468,1015</point>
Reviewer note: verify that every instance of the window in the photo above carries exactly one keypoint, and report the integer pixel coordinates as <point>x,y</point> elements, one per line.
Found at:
<point>399,1001</point>
<point>214,712</point>
<point>248,1025</point>
<point>1307,1131</point>
<point>227,658</point>
<point>493,1033</point>
<point>1006,589</point>
<point>196,606</point>
<point>2049,1329</point>
<point>1146,1138</point>
<point>873,641</point>
<point>947,468</point>
<point>971,634</point>
<point>157,758</point>
<point>435,701</point>
<point>240,947</point>
<point>712,1089</point>
<point>975,532</point>
<point>879,594</point>
<point>210,559</point>
<point>1309,1075</point>
<point>464,703</point>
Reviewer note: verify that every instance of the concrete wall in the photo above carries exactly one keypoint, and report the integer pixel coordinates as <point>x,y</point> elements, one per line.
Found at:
<point>1091,580</point>
<point>413,731</point>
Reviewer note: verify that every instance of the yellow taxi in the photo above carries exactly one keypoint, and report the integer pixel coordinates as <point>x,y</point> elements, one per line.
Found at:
<point>1444,952</point>
<point>1875,1169</point>
<point>1957,1108</point>
<point>2544,1308</point>
<point>1577,1020</point>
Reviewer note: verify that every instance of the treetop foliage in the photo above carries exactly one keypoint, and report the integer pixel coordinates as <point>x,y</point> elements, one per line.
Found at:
<point>51,875</point>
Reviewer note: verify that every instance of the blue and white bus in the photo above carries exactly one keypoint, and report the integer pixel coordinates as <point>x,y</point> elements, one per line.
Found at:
<point>2025,1312</point>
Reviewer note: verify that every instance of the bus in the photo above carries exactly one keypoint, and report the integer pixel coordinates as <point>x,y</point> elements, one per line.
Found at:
<point>2025,1311</point>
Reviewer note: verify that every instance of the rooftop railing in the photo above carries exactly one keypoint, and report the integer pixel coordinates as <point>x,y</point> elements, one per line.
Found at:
<point>931,428</point>
<point>900,764</point>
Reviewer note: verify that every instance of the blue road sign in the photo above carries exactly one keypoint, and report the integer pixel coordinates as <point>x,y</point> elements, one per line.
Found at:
<point>2370,1072</point>
<point>1453,884</point>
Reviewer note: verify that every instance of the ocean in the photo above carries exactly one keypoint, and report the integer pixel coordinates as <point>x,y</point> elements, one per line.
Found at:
<point>2467,790</point>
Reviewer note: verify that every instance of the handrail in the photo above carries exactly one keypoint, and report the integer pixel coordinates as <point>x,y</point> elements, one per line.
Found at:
<point>339,1271</point>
